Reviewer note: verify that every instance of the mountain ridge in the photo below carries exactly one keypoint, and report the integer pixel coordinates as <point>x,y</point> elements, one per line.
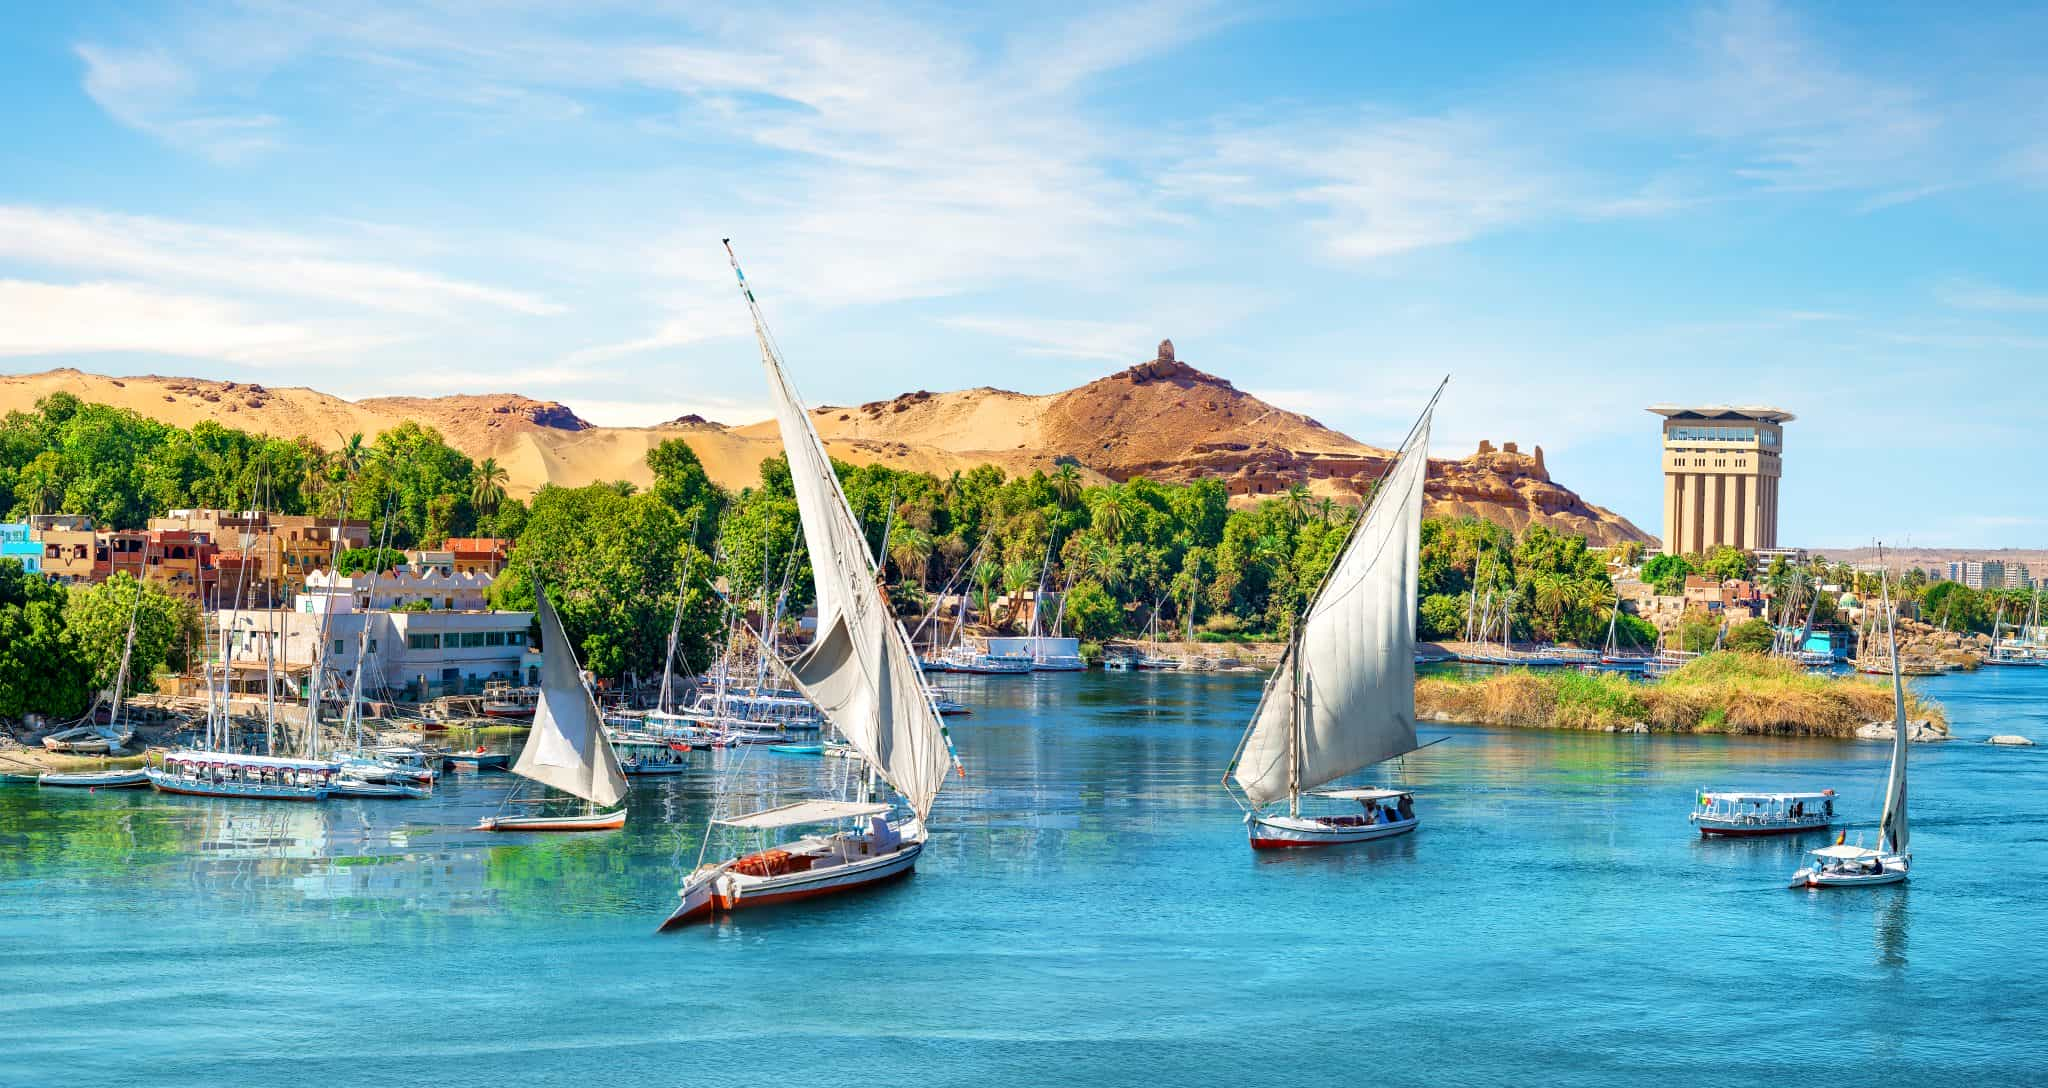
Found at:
<point>1161,418</point>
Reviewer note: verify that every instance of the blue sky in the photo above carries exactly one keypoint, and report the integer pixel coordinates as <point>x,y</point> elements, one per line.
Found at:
<point>1577,213</point>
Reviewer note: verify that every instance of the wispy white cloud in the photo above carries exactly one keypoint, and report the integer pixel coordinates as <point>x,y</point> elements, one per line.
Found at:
<point>1761,86</point>
<point>1973,295</point>
<point>1113,341</point>
<point>259,261</point>
<point>58,319</point>
<point>148,90</point>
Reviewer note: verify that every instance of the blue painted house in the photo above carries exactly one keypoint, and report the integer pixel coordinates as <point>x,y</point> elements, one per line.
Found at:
<point>17,542</point>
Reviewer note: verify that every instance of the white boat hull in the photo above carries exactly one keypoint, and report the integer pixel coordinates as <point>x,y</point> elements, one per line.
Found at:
<point>97,780</point>
<point>1290,832</point>
<point>722,889</point>
<point>581,821</point>
<point>1894,871</point>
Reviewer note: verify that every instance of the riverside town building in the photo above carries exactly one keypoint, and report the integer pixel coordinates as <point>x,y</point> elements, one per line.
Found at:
<point>1721,470</point>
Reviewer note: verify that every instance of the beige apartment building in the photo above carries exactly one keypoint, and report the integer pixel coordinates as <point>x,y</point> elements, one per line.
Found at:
<point>1721,471</point>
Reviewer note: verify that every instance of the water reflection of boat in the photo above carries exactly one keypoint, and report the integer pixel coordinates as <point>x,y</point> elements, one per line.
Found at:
<point>350,786</point>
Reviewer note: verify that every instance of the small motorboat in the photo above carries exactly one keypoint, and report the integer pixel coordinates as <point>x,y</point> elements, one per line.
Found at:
<point>89,740</point>
<point>589,820</point>
<point>118,779</point>
<point>481,759</point>
<point>798,749</point>
<point>1845,866</point>
<point>350,786</point>
<point>642,756</point>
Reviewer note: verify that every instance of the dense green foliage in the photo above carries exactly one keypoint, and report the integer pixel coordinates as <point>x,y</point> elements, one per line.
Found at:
<point>1133,556</point>
<point>122,468</point>
<point>364,560</point>
<point>59,645</point>
<point>1555,588</point>
<point>611,561</point>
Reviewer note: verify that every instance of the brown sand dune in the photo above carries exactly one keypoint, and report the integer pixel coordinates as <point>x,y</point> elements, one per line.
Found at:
<point>1161,419</point>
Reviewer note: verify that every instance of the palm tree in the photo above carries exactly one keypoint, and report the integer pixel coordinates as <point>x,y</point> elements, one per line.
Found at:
<point>1018,576</point>
<point>912,551</point>
<point>353,455</point>
<point>1104,564</point>
<point>319,469</point>
<point>1066,484</point>
<point>1325,508</point>
<point>1111,519</point>
<point>487,486</point>
<point>1298,502</point>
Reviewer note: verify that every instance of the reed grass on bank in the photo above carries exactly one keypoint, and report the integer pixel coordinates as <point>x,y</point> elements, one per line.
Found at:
<point>1736,693</point>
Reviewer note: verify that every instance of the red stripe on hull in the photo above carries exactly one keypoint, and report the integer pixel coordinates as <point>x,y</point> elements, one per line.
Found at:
<point>1750,833</point>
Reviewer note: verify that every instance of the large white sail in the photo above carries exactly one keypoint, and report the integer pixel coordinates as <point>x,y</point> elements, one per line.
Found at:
<point>1343,697</point>
<point>861,670</point>
<point>1892,830</point>
<point>567,749</point>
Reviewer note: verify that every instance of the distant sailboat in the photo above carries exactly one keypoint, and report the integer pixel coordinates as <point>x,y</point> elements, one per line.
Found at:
<point>862,671</point>
<point>567,749</point>
<point>1842,865</point>
<point>1343,697</point>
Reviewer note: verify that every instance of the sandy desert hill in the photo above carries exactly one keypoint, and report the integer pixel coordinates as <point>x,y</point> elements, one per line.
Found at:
<point>1161,419</point>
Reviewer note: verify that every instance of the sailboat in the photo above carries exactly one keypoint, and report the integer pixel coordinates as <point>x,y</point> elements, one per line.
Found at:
<point>1343,697</point>
<point>1842,865</point>
<point>862,671</point>
<point>101,740</point>
<point>567,748</point>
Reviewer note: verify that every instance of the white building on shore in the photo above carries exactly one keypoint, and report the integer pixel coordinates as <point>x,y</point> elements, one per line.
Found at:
<point>411,655</point>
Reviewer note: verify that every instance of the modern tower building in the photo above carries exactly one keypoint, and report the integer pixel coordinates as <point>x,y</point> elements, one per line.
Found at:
<point>1721,469</point>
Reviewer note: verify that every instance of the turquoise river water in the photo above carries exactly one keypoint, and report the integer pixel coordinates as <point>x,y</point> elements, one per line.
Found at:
<point>1087,913</point>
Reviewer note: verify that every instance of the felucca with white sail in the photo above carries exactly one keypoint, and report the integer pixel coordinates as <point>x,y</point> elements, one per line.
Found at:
<point>567,749</point>
<point>1842,865</point>
<point>862,672</point>
<point>1343,697</point>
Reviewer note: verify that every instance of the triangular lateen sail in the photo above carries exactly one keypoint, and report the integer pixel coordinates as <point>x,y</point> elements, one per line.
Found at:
<point>567,749</point>
<point>1892,828</point>
<point>1343,697</point>
<point>861,671</point>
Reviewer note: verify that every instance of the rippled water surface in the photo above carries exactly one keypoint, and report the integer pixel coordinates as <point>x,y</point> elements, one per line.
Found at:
<point>1087,913</point>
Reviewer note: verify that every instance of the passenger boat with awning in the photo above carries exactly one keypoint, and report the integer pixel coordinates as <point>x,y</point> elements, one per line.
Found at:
<point>1742,813</point>
<point>862,673</point>
<point>567,749</point>
<point>228,774</point>
<point>1343,696</point>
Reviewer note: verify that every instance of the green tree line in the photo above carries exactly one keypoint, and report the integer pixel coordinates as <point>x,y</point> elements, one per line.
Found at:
<point>61,645</point>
